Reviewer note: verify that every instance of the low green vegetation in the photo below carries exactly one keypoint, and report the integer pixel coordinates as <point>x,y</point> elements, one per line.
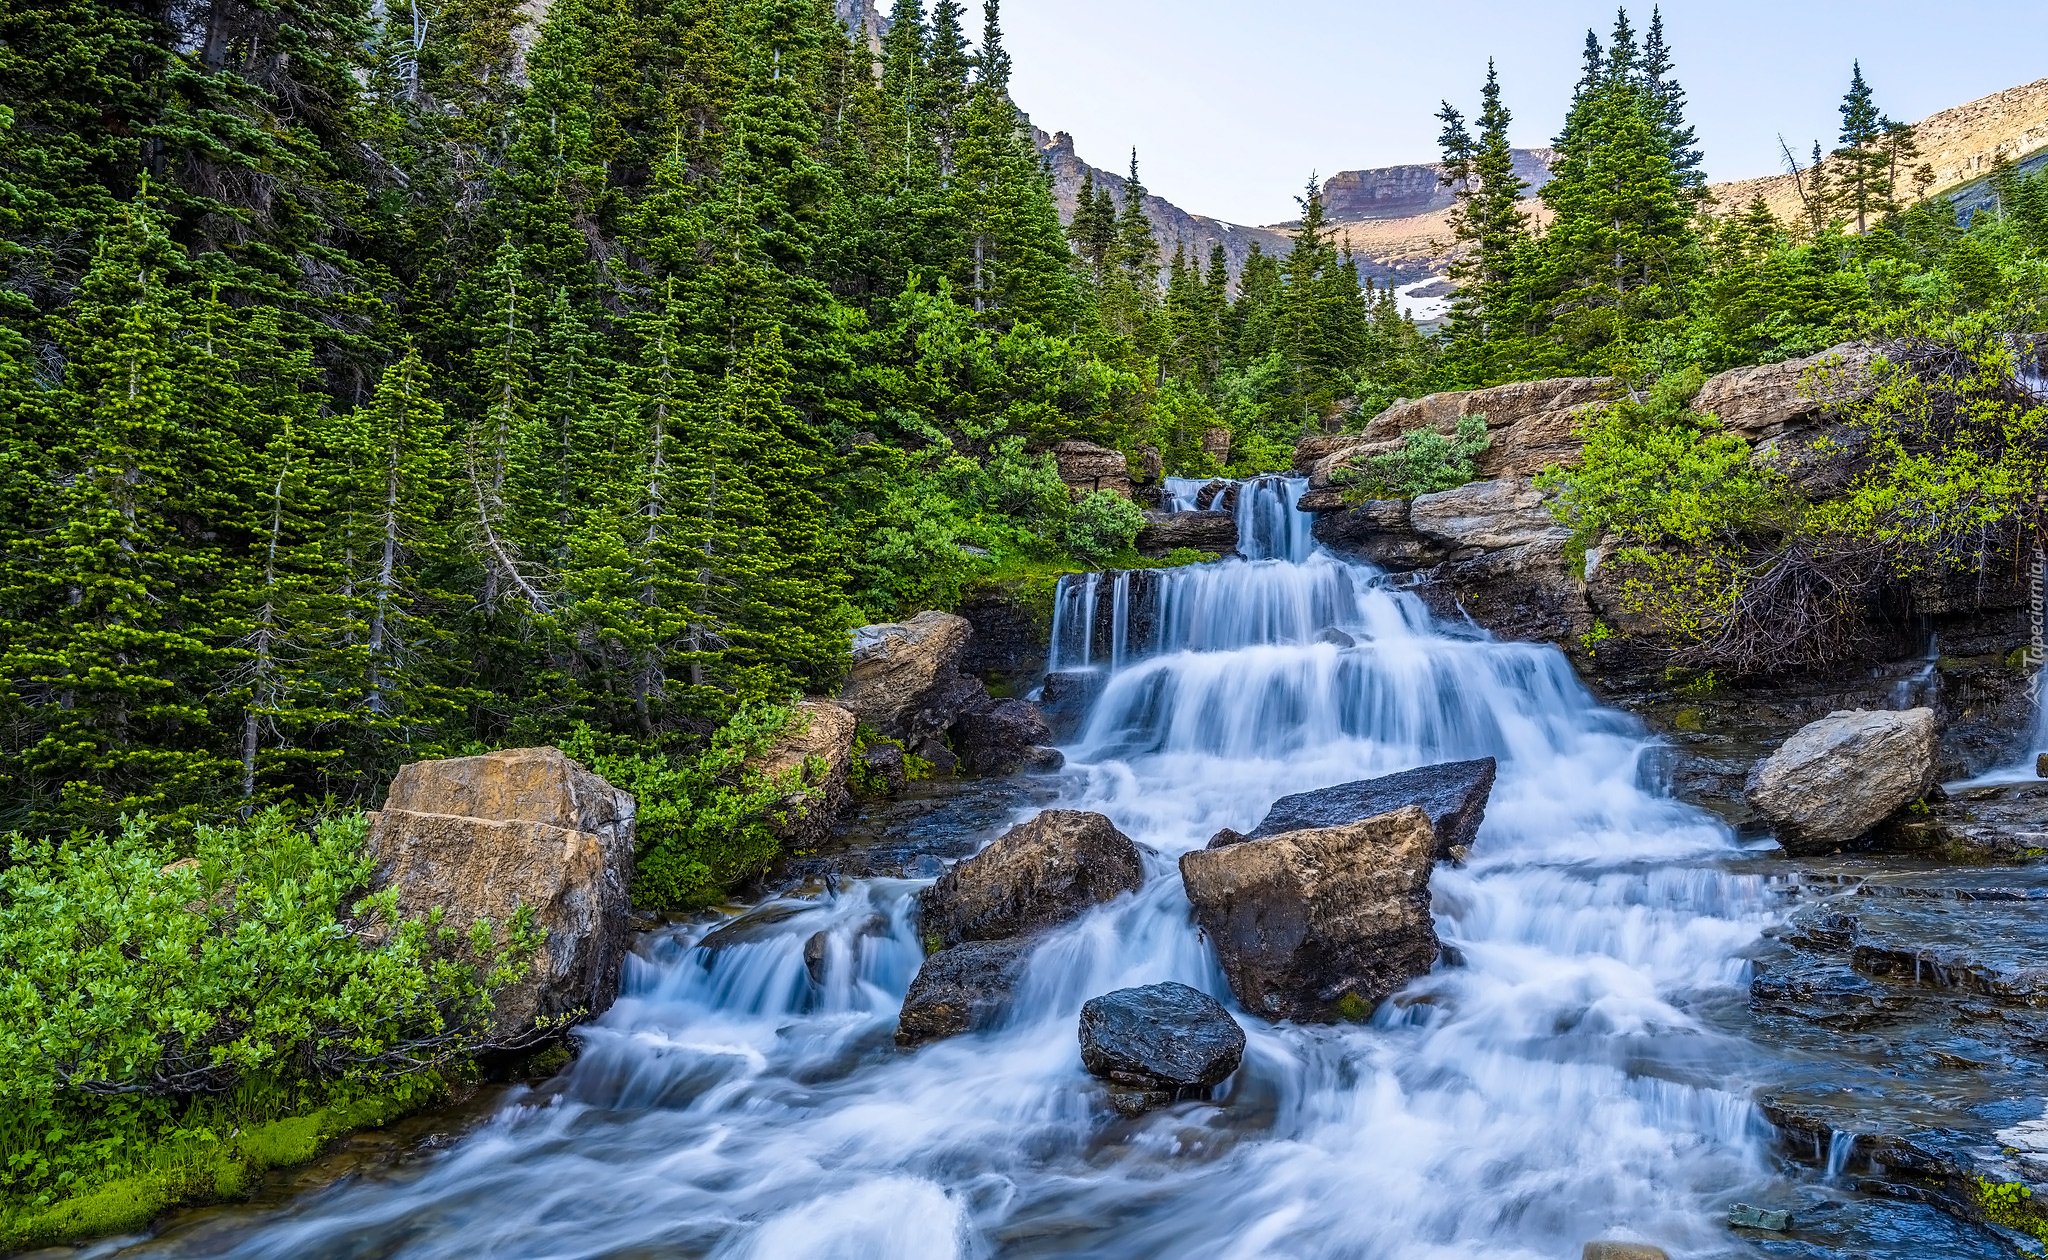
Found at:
<point>182,1009</point>
<point>2011,1204</point>
<point>1425,462</point>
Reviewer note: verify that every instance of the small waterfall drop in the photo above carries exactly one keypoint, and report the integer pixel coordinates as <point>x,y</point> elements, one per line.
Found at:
<point>1552,1081</point>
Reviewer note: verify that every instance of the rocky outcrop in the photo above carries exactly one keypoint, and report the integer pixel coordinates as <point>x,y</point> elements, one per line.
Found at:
<point>1037,874</point>
<point>2003,822</point>
<point>1460,524</point>
<point>1203,531</point>
<point>960,990</point>
<point>1398,192</point>
<point>896,666</point>
<point>480,837</point>
<point>1319,924</point>
<point>820,729</point>
<point>1216,445</point>
<point>1838,778</point>
<point>1452,793</point>
<point>1765,401</point>
<point>1086,468</point>
<point>1530,424</point>
<point>1158,1043</point>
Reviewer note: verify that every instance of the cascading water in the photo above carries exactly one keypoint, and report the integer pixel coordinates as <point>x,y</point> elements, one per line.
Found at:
<point>1551,1082</point>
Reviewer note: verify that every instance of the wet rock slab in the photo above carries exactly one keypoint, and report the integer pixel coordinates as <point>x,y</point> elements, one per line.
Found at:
<point>1909,1003</point>
<point>914,835</point>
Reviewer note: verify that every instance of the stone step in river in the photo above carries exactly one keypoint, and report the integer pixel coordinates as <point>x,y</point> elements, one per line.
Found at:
<point>1583,1063</point>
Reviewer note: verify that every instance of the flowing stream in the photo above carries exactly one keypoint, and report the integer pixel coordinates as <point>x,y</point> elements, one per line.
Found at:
<point>1555,1079</point>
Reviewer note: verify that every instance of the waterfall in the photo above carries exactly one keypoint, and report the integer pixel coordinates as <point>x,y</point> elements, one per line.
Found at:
<point>1557,1078</point>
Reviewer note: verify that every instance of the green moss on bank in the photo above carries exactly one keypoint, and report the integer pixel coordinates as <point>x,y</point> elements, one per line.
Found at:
<point>198,1168</point>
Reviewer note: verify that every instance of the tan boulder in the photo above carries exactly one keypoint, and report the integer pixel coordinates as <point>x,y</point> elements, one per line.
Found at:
<point>1322,923</point>
<point>1485,516</point>
<point>1838,778</point>
<point>1763,402</point>
<point>1216,445</point>
<point>479,837</point>
<point>896,663</point>
<point>821,729</point>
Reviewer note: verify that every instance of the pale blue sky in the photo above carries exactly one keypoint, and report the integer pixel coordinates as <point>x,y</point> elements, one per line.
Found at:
<point>1232,103</point>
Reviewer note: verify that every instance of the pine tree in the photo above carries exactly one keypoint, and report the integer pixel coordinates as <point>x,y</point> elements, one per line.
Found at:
<point>1667,106</point>
<point>117,675</point>
<point>1863,163</point>
<point>1491,229</point>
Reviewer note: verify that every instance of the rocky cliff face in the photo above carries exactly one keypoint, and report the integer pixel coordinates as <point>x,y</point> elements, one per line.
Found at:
<point>1171,225</point>
<point>1397,192</point>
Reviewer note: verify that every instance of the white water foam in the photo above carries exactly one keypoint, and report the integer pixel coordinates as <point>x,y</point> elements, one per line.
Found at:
<point>1547,1084</point>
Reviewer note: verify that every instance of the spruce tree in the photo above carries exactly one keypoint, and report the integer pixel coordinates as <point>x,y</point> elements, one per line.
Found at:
<point>1667,107</point>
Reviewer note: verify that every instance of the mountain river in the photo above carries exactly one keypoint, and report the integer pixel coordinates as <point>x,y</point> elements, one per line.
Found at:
<point>1575,1068</point>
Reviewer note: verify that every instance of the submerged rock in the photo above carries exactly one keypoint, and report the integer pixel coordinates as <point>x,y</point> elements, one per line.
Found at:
<point>960,990</point>
<point>1038,874</point>
<point>1160,1040</point>
<point>1838,778</point>
<point>1452,793</point>
<point>480,837</point>
<point>2041,766</point>
<point>1607,1250</point>
<point>1322,923</point>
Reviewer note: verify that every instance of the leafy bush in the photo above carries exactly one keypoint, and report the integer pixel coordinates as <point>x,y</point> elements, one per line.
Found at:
<point>152,1005</point>
<point>1103,524</point>
<point>1655,472</point>
<point>708,820</point>
<point>1424,463</point>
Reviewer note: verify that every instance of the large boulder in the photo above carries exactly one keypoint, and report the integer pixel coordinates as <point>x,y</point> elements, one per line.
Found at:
<point>820,729</point>
<point>1203,531</point>
<point>895,665</point>
<point>960,990</point>
<point>1086,468</point>
<point>479,837</point>
<point>1452,793</point>
<point>1836,779</point>
<point>1485,516</point>
<point>1158,1043</point>
<point>1762,402</point>
<point>1037,874</point>
<point>1323,923</point>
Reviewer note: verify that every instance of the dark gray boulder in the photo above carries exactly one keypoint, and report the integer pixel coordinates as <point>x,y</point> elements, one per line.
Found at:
<point>1164,1040</point>
<point>960,990</point>
<point>1452,793</point>
<point>997,738</point>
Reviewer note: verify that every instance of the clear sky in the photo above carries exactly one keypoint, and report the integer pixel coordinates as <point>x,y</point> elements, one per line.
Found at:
<point>1233,103</point>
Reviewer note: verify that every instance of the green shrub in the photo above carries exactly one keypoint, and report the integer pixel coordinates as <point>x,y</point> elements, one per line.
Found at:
<point>1103,524</point>
<point>707,820</point>
<point>1424,463</point>
<point>154,1007</point>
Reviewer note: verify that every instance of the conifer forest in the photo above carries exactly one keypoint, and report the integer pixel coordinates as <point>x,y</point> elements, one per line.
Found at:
<point>389,383</point>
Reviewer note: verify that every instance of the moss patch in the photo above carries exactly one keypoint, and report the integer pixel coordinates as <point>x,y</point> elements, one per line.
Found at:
<point>195,1170</point>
